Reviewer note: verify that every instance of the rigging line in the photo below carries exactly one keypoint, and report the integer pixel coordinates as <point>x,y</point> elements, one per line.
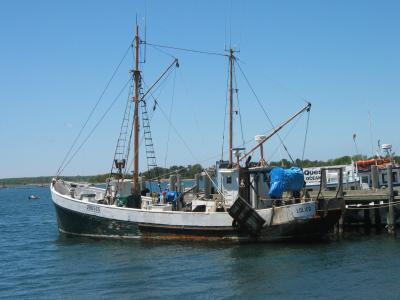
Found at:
<point>218,155</point>
<point>173,127</point>
<point>130,164</point>
<point>128,151</point>
<point>158,84</point>
<point>94,108</point>
<point>195,107</point>
<point>130,105</point>
<point>184,49</point>
<point>97,124</point>
<point>170,117</point>
<point>199,162</point>
<point>280,85</point>
<point>128,108</point>
<point>237,98</point>
<point>226,105</point>
<point>263,109</point>
<point>164,52</point>
<point>305,136</point>
<point>284,138</point>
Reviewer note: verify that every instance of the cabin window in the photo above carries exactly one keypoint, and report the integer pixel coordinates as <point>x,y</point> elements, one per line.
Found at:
<point>384,178</point>
<point>228,179</point>
<point>364,179</point>
<point>265,177</point>
<point>394,176</point>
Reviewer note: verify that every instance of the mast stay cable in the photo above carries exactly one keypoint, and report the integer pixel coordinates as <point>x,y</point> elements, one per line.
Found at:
<point>170,117</point>
<point>226,105</point>
<point>305,136</point>
<point>62,167</point>
<point>184,49</point>
<point>264,111</point>
<point>238,103</point>
<point>96,125</point>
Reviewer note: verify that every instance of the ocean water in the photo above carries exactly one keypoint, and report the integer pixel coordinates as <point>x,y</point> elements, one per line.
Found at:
<point>36,262</point>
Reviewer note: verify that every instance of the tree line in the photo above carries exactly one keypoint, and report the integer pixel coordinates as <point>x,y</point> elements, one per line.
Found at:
<point>188,171</point>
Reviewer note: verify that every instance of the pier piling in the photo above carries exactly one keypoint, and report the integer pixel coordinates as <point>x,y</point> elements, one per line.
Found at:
<point>367,220</point>
<point>196,182</point>
<point>390,223</point>
<point>377,216</point>
<point>374,177</point>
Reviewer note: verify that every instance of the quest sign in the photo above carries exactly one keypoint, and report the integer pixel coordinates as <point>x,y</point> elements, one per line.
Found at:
<point>312,176</point>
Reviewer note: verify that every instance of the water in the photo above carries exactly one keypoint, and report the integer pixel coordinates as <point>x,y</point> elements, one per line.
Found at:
<point>36,262</point>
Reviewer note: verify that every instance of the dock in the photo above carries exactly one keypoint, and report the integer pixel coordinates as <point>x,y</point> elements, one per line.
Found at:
<point>376,207</point>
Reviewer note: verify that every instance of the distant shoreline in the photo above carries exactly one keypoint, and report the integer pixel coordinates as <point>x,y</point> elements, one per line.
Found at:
<point>44,181</point>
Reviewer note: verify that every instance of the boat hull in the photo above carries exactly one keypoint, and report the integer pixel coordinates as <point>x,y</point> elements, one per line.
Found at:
<point>76,223</point>
<point>80,224</point>
<point>80,218</point>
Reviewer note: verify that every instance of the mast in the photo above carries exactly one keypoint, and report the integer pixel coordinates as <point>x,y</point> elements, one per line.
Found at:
<point>136,77</point>
<point>231,57</point>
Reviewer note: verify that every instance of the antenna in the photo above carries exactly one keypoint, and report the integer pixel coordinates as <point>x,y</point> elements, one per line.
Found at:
<point>145,31</point>
<point>355,143</point>
<point>370,132</point>
<point>378,152</point>
<point>230,27</point>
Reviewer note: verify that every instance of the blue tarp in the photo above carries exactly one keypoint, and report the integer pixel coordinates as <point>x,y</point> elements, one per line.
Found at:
<point>282,180</point>
<point>171,197</point>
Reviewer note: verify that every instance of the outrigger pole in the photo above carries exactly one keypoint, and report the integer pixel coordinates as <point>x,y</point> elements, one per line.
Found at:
<point>305,108</point>
<point>136,76</point>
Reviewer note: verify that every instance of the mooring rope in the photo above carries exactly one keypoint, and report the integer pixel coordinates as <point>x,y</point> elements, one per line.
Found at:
<point>371,206</point>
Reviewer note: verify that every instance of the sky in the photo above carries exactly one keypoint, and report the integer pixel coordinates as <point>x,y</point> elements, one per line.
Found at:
<point>56,57</point>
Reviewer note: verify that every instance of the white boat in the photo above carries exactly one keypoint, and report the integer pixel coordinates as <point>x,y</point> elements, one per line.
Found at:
<point>241,210</point>
<point>350,177</point>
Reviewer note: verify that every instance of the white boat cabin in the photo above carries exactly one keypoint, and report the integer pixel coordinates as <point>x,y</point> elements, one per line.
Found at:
<point>228,184</point>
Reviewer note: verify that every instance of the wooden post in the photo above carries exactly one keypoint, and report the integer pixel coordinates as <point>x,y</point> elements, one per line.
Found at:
<point>142,183</point>
<point>323,179</point>
<point>178,183</point>
<point>197,183</point>
<point>390,223</point>
<point>340,195</point>
<point>374,177</point>
<point>340,183</point>
<point>172,182</point>
<point>367,220</point>
<point>377,217</point>
<point>207,186</point>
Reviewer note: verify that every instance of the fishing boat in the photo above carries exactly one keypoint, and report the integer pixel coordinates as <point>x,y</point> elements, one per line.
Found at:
<point>252,202</point>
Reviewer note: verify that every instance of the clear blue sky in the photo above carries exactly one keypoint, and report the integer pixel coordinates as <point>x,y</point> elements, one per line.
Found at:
<point>56,57</point>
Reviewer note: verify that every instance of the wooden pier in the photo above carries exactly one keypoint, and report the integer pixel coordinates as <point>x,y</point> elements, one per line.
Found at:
<point>364,208</point>
<point>368,209</point>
